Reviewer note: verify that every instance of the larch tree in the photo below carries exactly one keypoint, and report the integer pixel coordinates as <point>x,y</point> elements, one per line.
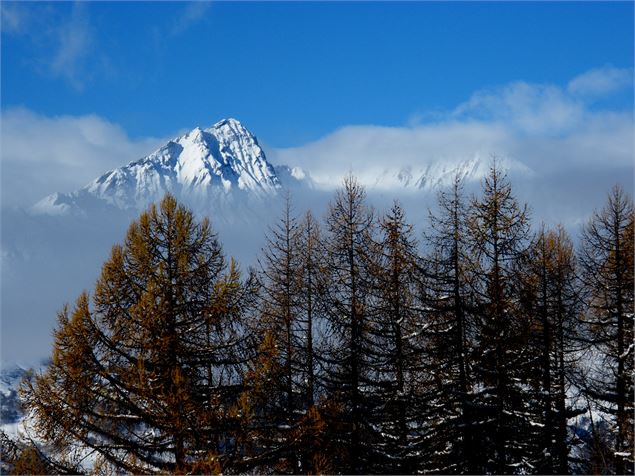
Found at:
<point>311,280</point>
<point>348,242</point>
<point>279,300</point>
<point>606,257</point>
<point>450,335</point>
<point>314,448</point>
<point>282,322</point>
<point>393,350</point>
<point>551,298</point>
<point>280,386</point>
<point>499,235</point>
<point>348,351</point>
<point>146,375</point>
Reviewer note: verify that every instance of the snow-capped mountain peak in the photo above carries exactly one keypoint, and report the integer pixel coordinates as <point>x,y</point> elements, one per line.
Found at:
<point>223,163</point>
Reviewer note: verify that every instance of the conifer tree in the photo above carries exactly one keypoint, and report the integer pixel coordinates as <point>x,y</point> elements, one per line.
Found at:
<point>349,231</point>
<point>279,300</point>
<point>263,447</point>
<point>146,375</point>
<point>393,353</point>
<point>450,335</point>
<point>291,283</point>
<point>284,321</point>
<point>311,281</point>
<point>552,300</point>
<point>606,257</point>
<point>347,352</point>
<point>317,447</point>
<point>20,457</point>
<point>499,234</point>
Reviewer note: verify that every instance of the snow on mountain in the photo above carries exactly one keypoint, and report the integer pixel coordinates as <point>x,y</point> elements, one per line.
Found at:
<point>205,168</point>
<point>10,377</point>
<point>293,177</point>
<point>430,176</point>
<point>223,171</point>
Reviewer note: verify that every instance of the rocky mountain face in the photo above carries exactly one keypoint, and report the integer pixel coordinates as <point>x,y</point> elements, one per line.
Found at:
<point>221,169</point>
<point>10,377</point>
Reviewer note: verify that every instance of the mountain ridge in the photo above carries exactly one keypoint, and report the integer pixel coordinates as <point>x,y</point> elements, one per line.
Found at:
<point>223,170</point>
<point>207,167</point>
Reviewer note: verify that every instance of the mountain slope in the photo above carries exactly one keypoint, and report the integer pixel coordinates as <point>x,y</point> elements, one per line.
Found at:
<point>223,164</point>
<point>223,171</point>
<point>429,176</point>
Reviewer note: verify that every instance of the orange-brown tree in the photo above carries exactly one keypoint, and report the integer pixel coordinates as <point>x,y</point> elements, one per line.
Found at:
<point>147,371</point>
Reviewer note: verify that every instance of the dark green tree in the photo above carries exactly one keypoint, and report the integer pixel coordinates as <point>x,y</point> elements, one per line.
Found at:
<point>311,280</point>
<point>606,258</point>
<point>280,295</point>
<point>552,302</point>
<point>499,234</point>
<point>450,335</point>
<point>287,301</point>
<point>392,350</point>
<point>348,242</point>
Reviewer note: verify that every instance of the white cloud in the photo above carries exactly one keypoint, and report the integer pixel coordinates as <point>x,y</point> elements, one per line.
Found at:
<point>14,18</point>
<point>61,44</point>
<point>192,14</point>
<point>42,155</point>
<point>528,108</point>
<point>75,40</point>
<point>601,81</point>
<point>543,127</point>
<point>369,151</point>
<point>562,154</point>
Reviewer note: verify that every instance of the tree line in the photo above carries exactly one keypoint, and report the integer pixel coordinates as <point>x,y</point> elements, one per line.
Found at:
<point>355,346</point>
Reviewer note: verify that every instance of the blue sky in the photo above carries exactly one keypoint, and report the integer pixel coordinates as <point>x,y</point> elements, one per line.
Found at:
<point>293,72</point>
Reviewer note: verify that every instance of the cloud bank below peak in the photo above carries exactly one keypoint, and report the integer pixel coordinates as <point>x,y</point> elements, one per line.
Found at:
<point>539,129</point>
<point>42,155</point>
